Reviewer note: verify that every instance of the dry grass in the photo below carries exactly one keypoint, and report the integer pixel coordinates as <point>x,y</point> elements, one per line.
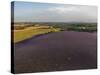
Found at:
<point>28,32</point>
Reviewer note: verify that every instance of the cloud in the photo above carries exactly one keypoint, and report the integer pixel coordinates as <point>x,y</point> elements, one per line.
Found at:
<point>62,9</point>
<point>73,13</point>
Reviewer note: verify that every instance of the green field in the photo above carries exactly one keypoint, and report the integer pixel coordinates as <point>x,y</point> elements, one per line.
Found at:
<point>80,27</point>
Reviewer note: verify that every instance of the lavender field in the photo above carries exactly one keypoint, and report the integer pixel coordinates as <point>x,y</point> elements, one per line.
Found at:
<point>66,50</point>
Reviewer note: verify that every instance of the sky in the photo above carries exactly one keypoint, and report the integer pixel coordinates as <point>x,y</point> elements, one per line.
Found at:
<point>50,12</point>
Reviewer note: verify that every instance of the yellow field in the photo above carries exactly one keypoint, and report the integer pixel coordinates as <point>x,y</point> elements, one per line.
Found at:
<point>23,34</point>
